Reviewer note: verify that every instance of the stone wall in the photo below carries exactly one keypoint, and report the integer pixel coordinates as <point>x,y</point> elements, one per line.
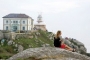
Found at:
<point>7,35</point>
<point>13,36</point>
<point>22,36</point>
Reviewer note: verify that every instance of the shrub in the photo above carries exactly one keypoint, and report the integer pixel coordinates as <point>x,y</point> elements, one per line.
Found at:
<point>1,50</point>
<point>9,49</point>
<point>4,56</point>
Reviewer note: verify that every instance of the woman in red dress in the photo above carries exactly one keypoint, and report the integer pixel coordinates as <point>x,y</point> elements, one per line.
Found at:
<point>60,43</point>
<point>64,46</point>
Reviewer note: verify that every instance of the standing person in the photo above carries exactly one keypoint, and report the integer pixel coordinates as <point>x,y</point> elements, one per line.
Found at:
<point>58,42</point>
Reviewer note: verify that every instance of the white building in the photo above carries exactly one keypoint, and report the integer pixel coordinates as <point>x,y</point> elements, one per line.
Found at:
<point>17,22</point>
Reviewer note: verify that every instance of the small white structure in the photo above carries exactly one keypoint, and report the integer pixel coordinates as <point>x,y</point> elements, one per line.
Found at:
<point>40,25</point>
<point>17,22</point>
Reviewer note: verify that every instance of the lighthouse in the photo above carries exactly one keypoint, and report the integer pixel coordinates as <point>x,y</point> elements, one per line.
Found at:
<point>40,24</point>
<point>39,19</point>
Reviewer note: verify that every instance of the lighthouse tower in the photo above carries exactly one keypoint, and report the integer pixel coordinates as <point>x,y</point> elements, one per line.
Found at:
<point>39,19</point>
<point>40,25</point>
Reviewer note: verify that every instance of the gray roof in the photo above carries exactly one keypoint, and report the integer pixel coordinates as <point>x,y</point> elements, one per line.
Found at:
<point>16,16</point>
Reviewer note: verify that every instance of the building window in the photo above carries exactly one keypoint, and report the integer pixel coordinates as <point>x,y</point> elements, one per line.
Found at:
<point>16,21</point>
<point>23,22</point>
<point>14,28</point>
<point>13,21</point>
<point>23,28</point>
<point>7,21</point>
<point>6,27</point>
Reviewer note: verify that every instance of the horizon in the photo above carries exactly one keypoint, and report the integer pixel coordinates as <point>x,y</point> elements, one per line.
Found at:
<point>72,17</point>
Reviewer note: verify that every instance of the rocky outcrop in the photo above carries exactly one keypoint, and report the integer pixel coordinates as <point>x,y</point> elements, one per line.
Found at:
<point>40,42</point>
<point>48,53</point>
<point>79,46</point>
<point>75,44</point>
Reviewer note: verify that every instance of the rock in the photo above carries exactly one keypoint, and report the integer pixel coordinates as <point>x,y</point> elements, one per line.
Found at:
<point>16,45</point>
<point>69,38</point>
<point>73,43</point>
<point>37,33</point>
<point>36,41</point>
<point>82,48</point>
<point>66,38</point>
<point>20,48</point>
<point>35,36</point>
<point>30,37</point>
<point>51,38</point>
<point>7,36</point>
<point>49,53</point>
<point>67,42</point>
<point>77,42</point>
<point>45,45</point>
<point>29,46</point>
<point>13,43</point>
<point>10,42</point>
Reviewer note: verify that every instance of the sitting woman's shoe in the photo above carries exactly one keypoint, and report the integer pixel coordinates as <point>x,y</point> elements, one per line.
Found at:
<point>73,50</point>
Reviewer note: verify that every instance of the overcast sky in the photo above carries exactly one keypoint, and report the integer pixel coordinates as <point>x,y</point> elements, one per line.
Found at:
<point>72,17</point>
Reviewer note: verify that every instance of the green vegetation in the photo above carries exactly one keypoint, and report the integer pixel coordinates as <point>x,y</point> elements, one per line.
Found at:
<point>7,51</point>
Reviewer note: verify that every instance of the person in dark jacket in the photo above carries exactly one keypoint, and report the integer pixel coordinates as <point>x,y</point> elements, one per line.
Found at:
<point>58,42</point>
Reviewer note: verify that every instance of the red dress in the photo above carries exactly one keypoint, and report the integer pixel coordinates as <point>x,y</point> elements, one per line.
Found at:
<point>62,46</point>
